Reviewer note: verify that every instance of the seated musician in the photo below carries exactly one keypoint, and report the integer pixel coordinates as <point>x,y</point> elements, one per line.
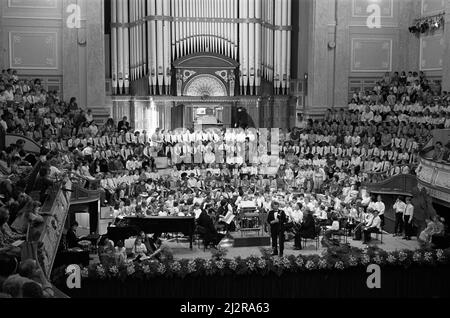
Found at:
<point>120,252</point>
<point>294,214</point>
<point>333,228</point>
<point>71,236</point>
<point>306,230</point>
<point>150,243</point>
<point>352,220</point>
<point>106,246</point>
<point>139,249</point>
<point>207,229</point>
<point>297,214</point>
<point>373,227</point>
<point>321,215</point>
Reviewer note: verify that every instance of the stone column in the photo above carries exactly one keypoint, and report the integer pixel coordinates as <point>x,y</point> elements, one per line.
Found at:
<point>446,55</point>
<point>84,56</point>
<point>71,60</point>
<point>95,54</point>
<point>408,43</point>
<point>318,56</point>
<point>342,53</point>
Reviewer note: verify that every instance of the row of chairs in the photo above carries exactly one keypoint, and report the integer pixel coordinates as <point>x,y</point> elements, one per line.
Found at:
<point>341,235</point>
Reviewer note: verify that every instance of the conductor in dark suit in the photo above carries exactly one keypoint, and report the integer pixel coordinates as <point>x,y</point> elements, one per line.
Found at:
<point>277,220</point>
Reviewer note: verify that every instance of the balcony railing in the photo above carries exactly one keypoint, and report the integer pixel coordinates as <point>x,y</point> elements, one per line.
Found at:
<point>49,234</point>
<point>435,177</point>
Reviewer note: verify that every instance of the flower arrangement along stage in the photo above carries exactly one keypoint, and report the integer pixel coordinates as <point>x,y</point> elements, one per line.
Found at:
<point>335,259</point>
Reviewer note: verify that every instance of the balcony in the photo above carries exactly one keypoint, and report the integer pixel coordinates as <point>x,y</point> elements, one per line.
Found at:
<point>49,233</point>
<point>434,177</point>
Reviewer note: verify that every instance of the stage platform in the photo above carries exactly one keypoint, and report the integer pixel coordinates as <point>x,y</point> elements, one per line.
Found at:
<point>247,239</point>
<point>181,249</point>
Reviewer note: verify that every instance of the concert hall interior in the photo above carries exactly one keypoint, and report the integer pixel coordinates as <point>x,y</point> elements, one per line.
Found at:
<point>163,148</point>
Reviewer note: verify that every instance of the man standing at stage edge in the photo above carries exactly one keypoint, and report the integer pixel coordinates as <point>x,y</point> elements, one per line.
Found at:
<point>277,219</point>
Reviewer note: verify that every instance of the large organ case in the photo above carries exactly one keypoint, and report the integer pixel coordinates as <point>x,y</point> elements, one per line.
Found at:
<point>148,36</point>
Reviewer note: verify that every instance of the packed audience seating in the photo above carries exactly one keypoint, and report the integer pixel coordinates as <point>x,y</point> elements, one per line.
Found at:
<point>316,176</point>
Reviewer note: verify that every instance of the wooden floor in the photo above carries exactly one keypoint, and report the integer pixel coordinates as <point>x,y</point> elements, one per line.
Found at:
<point>181,249</point>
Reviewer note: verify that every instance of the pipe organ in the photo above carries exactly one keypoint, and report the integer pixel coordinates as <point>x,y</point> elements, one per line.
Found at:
<point>147,36</point>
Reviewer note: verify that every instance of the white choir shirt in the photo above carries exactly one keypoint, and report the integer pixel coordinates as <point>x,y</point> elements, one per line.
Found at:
<point>399,207</point>
<point>87,151</point>
<point>409,211</point>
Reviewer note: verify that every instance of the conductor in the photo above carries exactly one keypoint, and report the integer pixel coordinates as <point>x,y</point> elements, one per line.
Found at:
<point>277,220</point>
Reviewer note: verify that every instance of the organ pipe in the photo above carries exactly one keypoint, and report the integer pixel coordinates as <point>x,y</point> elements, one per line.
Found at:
<point>143,39</point>
<point>288,53</point>
<point>251,42</point>
<point>176,28</point>
<point>277,59</point>
<point>152,46</point>
<point>114,46</point>
<point>126,48</point>
<point>241,51</point>
<point>283,46</point>
<point>132,49</point>
<point>167,44</point>
<point>257,46</point>
<point>148,35</point>
<point>120,42</point>
<point>159,46</point>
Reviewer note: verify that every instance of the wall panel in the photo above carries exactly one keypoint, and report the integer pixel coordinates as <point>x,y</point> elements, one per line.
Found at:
<point>371,54</point>
<point>36,9</point>
<point>389,12</point>
<point>431,52</point>
<point>31,36</point>
<point>34,50</point>
<point>430,7</point>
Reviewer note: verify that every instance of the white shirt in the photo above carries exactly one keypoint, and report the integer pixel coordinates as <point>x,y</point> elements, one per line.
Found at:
<point>376,222</point>
<point>409,210</point>
<point>379,206</point>
<point>87,151</point>
<point>399,207</point>
<point>334,226</point>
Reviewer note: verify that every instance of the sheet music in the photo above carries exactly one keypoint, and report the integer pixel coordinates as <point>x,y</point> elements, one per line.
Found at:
<point>229,217</point>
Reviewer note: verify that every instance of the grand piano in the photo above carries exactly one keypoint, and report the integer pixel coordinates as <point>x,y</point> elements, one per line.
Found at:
<point>131,226</point>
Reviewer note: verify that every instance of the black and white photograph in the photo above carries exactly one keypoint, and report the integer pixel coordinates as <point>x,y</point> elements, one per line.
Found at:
<point>216,157</point>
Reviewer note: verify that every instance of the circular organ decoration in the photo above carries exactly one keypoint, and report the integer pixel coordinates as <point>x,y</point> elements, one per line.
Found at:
<point>205,85</point>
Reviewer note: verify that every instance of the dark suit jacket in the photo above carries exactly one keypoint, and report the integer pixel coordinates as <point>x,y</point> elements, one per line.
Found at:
<point>308,227</point>
<point>71,239</point>
<point>121,125</point>
<point>206,222</point>
<point>279,226</point>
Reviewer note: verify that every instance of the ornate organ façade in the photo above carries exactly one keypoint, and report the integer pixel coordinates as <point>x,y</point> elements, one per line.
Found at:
<point>147,36</point>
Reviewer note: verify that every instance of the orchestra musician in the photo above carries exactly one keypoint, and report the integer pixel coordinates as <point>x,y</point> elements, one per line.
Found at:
<point>207,229</point>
